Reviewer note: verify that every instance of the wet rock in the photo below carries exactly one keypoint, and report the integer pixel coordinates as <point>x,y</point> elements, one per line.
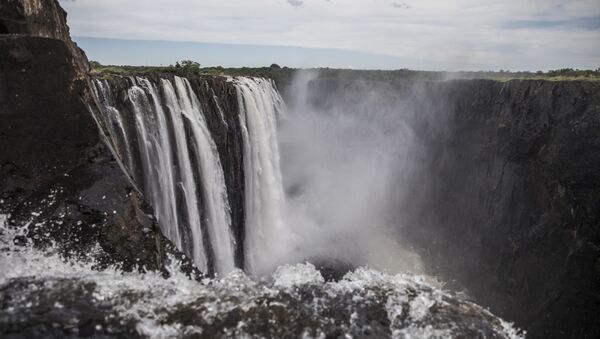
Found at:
<point>364,304</point>
<point>58,173</point>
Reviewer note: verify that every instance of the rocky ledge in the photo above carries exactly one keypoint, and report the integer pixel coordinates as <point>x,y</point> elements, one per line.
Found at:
<point>57,173</point>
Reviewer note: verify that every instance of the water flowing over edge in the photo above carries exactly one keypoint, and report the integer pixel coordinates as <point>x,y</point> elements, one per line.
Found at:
<point>177,163</point>
<point>179,166</point>
<point>267,236</point>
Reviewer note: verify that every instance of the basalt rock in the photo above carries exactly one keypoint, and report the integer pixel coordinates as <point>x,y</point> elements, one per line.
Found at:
<point>514,178</point>
<point>58,176</point>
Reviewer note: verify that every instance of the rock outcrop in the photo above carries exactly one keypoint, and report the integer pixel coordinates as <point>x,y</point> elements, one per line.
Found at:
<point>57,173</point>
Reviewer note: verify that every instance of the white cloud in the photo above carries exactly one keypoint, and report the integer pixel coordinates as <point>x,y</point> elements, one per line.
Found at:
<point>465,34</point>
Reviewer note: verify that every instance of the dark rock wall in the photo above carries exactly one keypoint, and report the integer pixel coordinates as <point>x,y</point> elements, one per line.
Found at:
<point>504,199</point>
<point>34,17</point>
<point>511,208</point>
<point>56,171</point>
<point>41,18</point>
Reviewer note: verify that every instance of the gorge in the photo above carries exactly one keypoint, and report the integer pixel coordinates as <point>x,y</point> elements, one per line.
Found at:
<point>317,205</point>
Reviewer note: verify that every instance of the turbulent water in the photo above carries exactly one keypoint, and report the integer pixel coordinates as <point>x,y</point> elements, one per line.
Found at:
<point>43,295</point>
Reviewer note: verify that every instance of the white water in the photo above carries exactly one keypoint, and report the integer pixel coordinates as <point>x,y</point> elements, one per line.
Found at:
<point>154,145</point>
<point>208,164</point>
<point>150,303</point>
<point>267,236</point>
<point>187,184</point>
<point>189,211</point>
<point>188,192</point>
<point>113,117</point>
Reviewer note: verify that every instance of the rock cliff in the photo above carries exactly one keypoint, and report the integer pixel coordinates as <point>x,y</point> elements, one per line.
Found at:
<point>57,173</point>
<point>503,197</point>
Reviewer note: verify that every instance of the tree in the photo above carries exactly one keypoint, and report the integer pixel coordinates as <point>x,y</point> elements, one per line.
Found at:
<point>95,64</point>
<point>187,68</point>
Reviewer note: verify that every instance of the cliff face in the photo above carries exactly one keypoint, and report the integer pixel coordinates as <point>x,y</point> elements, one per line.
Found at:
<point>503,190</point>
<point>512,204</point>
<point>34,17</point>
<point>56,171</point>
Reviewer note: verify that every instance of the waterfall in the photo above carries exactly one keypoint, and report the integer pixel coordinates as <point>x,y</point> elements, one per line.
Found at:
<point>114,121</point>
<point>157,163</point>
<point>179,165</point>
<point>209,167</point>
<point>266,236</point>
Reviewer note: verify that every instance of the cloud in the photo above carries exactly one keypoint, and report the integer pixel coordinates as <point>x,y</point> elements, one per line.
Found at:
<point>400,5</point>
<point>295,3</point>
<point>436,34</point>
<point>588,23</point>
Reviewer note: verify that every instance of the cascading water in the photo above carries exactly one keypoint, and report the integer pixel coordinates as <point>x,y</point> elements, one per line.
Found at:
<point>180,166</point>
<point>208,165</point>
<point>266,234</point>
<point>182,173</point>
<point>114,121</point>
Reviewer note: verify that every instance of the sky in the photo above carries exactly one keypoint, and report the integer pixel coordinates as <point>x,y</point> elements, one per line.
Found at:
<point>371,34</point>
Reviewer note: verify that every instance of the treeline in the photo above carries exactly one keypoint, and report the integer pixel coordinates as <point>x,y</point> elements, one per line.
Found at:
<point>190,68</point>
<point>185,68</point>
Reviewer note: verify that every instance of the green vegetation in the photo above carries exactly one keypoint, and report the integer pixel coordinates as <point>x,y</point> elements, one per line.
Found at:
<point>189,68</point>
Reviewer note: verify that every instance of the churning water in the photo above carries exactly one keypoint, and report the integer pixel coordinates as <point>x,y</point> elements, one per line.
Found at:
<point>47,295</point>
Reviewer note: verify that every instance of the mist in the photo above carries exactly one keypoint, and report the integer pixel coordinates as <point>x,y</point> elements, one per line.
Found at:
<point>347,159</point>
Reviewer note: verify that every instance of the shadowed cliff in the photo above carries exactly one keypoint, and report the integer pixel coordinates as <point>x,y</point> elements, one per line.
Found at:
<point>495,185</point>
<point>57,173</point>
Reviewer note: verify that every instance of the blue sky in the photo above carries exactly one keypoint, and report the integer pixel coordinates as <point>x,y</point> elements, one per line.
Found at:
<point>372,34</point>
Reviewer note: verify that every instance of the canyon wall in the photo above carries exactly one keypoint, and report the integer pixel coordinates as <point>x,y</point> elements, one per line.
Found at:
<point>502,197</point>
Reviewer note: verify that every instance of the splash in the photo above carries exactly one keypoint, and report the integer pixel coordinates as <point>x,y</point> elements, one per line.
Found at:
<point>43,292</point>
